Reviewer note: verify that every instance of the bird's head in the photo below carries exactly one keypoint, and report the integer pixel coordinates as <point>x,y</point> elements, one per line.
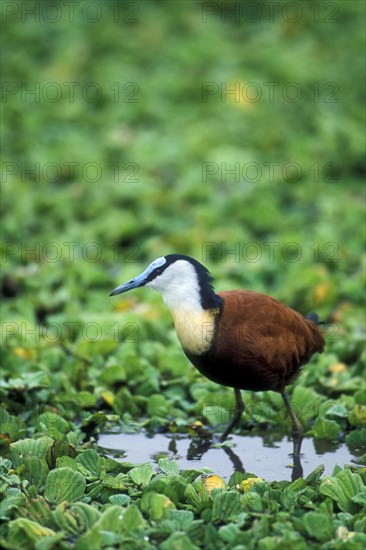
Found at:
<point>183,281</point>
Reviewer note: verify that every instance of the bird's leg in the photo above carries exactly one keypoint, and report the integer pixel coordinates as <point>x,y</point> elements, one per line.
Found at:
<point>297,470</point>
<point>239,409</point>
<point>297,430</point>
<point>297,440</point>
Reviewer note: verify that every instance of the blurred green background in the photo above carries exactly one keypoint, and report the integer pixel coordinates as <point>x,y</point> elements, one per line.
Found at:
<point>122,126</point>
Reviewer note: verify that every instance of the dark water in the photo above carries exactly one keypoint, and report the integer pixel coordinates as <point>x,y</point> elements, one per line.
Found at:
<point>269,458</point>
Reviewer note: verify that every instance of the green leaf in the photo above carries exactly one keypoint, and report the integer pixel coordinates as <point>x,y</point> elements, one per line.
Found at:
<point>236,478</point>
<point>37,508</point>
<point>21,450</point>
<point>336,410</point>
<point>225,505</point>
<point>157,405</point>
<point>316,474</point>
<point>113,374</point>
<point>11,425</point>
<point>36,471</point>
<point>290,495</point>
<point>194,498</point>
<point>156,505</point>
<point>5,465</point>
<point>132,519</point>
<point>306,403</point>
<point>64,520</point>
<point>325,429</point>
<point>112,482</point>
<point>63,448</point>
<point>169,467</point>
<point>252,502</point>
<point>361,460</point>
<point>86,515</point>
<point>105,532</point>
<point>52,419</point>
<point>64,484</point>
<point>91,422</point>
<point>360,397</point>
<point>228,533</point>
<point>25,533</point>
<point>50,543</point>
<point>357,438</point>
<point>86,399</point>
<point>141,475</point>
<point>119,499</point>
<point>91,461</point>
<point>178,541</point>
<point>91,539</point>
<point>215,414</point>
<point>181,519</point>
<point>109,522</point>
<point>341,488</point>
<point>357,417</point>
<point>103,346</point>
<point>66,461</point>
<point>319,526</point>
<point>10,503</point>
<point>360,498</point>
<point>77,518</point>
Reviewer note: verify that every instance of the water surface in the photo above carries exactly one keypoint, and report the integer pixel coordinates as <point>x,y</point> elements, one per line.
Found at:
<point>269,457</point>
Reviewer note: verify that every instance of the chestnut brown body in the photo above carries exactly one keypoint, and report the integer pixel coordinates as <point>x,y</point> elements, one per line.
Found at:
<point>258,343</point>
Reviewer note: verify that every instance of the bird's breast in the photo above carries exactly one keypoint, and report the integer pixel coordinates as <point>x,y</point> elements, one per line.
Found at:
<point>195,329</point>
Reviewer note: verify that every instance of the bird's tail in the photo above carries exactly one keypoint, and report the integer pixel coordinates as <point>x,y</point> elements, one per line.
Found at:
<point>318,335</point>
<point>315,318</point>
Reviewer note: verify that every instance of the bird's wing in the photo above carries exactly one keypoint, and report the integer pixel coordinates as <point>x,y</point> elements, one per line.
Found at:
<point>263,333</point>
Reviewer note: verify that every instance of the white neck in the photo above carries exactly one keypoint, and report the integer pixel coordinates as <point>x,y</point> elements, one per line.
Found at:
<point>180,289</point>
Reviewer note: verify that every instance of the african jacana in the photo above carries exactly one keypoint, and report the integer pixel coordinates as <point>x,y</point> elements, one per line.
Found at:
<point>237,338</point>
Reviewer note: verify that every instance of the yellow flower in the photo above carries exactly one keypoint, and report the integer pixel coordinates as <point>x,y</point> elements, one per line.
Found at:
<point>212,481</point>
<point>244,95</point>
<point>321,292</point>
<point>108,397</point>
<point>247,484</point>
<point>337,368</point>
<point>197,425</point>
<point>25,353</point>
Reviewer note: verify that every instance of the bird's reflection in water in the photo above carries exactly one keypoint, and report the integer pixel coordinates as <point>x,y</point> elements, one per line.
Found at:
<point>267,454</point>
<point>198,447</point>
<point>297,470</point>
